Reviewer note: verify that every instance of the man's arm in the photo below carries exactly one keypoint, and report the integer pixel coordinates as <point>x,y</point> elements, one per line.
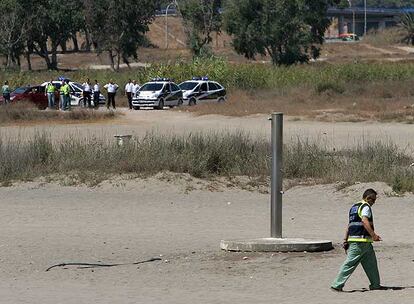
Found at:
<point>346,234</point>
<point>368,227</point>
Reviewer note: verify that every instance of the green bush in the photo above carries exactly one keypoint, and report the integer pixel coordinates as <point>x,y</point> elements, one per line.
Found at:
<point>241,76</point>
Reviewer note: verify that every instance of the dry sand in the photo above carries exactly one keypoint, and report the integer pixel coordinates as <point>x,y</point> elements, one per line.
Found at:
<point>182,221</point>
<point>43,225</point>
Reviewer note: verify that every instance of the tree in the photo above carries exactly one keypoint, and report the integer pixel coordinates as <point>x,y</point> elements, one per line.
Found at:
<point>385,3</point>
<point>201,18</point>
<point>407,23</point>
<point>118,27</point>
<point>12,31</point>
<point>290,31</point>
<point>53,22</point>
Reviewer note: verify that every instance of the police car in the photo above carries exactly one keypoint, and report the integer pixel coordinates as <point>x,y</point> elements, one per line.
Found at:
<point>158,93</point>
<point>201,89</point>
<point>76,92</point>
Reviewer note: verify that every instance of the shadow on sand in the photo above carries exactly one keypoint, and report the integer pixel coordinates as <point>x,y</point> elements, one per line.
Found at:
<point>382,288</point>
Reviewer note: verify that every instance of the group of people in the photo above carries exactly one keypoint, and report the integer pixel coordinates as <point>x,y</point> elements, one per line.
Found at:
<point>90,93</point>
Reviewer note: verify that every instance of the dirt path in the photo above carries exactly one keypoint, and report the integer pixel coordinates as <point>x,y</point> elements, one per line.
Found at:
<point>137,123</point>
<point>43,225</point>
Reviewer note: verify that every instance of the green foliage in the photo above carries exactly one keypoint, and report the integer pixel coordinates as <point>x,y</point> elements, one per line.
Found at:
<point>119,26</point>
<point>290,31</point>
<point>242,76</point>
<point>201,18</point>
<point>51,21</point>
<point>384,3</point>
<point>12,31</point>
<point>407,24</point>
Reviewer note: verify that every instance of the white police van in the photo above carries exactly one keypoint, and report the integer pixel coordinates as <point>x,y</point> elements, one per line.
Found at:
<point>201,89</point>
<point>76,91</point>
<point>158,93</point>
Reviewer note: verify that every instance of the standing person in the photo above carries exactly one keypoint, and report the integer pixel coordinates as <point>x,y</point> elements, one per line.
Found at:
<point>111,87</point>
<point>50,93</point>
<point>359,236</point>
<point>96,93</point>
<point>135,88</point>
<point>87,90</point>
<point>128,92</point>
<point>66,95</point>
<point>62,96</point>
<point>6,92</point>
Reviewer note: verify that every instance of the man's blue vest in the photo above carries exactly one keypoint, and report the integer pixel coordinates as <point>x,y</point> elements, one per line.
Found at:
<point>356,230</point>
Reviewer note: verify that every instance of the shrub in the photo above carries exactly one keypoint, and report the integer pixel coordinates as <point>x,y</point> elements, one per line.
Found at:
<point>91,160</point>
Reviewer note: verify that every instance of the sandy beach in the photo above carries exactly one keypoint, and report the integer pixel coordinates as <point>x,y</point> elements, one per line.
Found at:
<point>181,221</point>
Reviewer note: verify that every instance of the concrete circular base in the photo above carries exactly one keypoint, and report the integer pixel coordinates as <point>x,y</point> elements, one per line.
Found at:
<point>276,245</point>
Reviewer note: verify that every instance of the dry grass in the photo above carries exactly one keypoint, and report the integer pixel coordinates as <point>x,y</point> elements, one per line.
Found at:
<point>23,112</point>
<point>203,155</point>
<point>379,101</point>
<point>385,37</point>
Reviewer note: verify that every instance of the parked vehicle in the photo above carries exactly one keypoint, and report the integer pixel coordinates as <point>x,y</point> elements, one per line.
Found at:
<point>33,94</point>
<point>349,37</point>
<point>201,89</point>
<point>76,95</point>
<point>158,93</point>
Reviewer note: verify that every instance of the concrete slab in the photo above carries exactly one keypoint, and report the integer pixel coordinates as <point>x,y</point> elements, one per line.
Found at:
<point>276,245</point>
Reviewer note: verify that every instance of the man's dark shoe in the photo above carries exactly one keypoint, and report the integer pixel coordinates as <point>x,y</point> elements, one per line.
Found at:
<point>378,288</point>
<point>336,289</point>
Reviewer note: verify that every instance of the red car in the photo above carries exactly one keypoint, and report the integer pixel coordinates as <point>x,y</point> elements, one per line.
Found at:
<point>34,94</point>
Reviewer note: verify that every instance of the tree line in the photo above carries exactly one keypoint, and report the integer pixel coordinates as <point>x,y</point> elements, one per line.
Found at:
<point>40,27</point>
<point>377,3</point>
<point>289,31</point>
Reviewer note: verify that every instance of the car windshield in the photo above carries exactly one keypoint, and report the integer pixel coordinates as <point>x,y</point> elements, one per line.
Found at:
<point>188,85</point>
<point>20,90</point>
<point>151,87</point>
<point>77,86</point>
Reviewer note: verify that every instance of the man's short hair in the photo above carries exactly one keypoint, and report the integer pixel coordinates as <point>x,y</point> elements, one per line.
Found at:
<point>369,193</point>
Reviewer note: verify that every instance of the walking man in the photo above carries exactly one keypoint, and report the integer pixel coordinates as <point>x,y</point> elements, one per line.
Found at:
<point>87,91</point>
<point>111,88</point>
<point>359,236</point>
<point>96,94</point>
<point>128,92</point>
<point>6,92</point>
<point>50,93</point>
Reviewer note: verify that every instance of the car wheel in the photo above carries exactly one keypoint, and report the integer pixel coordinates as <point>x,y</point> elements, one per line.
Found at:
<point>192,102</point>
<point>135,108</point>
<point>80,103</point>
<point>221,99</point>
<point>180,102</point>
<point>160,105</point>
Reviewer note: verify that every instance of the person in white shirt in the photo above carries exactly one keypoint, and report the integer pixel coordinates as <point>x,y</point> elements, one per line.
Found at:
<point>96,93</point>
<point>111,88</point>
<point>128,92</point>
<point>135,88</point>
<point>87,92</point>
